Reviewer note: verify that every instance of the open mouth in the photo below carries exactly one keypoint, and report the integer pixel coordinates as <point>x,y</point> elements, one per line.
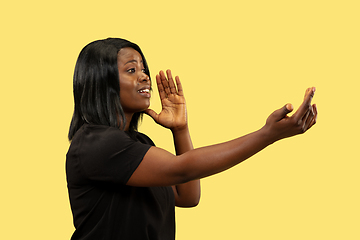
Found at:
<point>144,91</point>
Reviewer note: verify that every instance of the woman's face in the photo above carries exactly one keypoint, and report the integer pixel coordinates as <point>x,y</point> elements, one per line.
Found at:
<point>134,83</point>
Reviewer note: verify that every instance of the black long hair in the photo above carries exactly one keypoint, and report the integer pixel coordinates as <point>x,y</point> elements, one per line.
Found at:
<point>97,87</point>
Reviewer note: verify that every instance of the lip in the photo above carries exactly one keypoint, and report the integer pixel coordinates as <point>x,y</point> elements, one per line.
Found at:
<point>145,91</point>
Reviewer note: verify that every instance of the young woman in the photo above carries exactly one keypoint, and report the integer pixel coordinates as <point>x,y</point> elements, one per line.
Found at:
<point>120,185</point>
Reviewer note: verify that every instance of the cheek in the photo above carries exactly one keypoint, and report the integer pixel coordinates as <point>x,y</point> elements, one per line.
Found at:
<point>126,87</point>
<point>128,96</point>
<point>125,97</point>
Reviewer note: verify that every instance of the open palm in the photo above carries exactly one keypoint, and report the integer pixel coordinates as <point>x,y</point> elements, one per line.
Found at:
<point>173,114</point>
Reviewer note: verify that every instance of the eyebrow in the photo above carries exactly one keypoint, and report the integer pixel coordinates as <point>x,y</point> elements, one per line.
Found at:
<point>131,61</point>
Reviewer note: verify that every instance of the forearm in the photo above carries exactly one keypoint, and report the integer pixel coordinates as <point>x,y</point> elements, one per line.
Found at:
<point>161,168</point>
<point>182,141</point>
<point>206,161</point>
<point>186,194</point>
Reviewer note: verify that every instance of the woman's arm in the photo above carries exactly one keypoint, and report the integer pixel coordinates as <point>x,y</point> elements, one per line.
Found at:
<point>160,168</point>
<point>186,194</point>
<point>174,116</point>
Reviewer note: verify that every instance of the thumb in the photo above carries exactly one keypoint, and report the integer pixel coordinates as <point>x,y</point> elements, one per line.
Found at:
<point>152,114</point>
<point>282,112</point>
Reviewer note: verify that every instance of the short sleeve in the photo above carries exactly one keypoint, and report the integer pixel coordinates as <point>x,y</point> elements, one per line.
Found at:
<point>105,154</point>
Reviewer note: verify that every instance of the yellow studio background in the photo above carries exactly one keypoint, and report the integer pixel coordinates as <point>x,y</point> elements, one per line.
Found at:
<point>238,61</point>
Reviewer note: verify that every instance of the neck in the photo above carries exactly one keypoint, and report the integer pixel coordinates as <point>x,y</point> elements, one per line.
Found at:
<point>128,117</point>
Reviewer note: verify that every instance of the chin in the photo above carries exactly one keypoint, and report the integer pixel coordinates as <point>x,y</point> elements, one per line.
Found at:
<point>147,106</point>
<point>145,109</point>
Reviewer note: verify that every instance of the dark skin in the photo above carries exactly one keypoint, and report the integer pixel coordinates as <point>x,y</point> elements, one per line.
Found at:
<point>183,171</point>
<point>173,115</point>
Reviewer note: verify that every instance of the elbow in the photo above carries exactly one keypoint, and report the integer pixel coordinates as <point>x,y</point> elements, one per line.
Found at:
<point>196,200</point>
<point>190,203</point>
<point>194,203</point>
<point>187,195</point>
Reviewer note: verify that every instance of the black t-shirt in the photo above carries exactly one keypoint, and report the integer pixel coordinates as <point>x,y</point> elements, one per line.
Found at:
<point>99,163</point>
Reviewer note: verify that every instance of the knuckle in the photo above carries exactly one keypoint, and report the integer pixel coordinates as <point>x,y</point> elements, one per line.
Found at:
<point>302,130</point>
<point>297,122</point>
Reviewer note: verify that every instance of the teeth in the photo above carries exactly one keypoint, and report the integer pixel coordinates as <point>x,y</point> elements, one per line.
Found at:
<point>144,91</point>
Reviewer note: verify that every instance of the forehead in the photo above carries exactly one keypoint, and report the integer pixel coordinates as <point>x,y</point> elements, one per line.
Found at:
<point>128,54</point>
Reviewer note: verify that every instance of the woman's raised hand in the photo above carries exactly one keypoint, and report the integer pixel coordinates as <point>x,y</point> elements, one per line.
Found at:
<point>173,114</point>
<point>280,126</point>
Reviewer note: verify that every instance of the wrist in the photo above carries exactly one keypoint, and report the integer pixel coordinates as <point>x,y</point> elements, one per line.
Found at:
<point>180,130</point>
<point>267,135</point>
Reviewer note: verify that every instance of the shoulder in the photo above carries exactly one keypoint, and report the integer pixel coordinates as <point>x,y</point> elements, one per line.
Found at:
<point>102,133</point>
<point>104,153</point>
<point>106,133</point>
<point>99,142</point>
<point>141,137</point>
<point>92,138</point>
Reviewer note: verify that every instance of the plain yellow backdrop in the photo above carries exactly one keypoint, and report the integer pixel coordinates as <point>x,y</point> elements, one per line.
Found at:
<point>238,61</point>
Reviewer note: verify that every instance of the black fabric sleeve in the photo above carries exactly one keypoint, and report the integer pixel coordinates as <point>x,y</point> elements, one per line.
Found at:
<point>107,154</point>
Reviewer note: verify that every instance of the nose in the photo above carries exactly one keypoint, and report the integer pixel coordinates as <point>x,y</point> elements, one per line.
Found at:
<point>143,77</point>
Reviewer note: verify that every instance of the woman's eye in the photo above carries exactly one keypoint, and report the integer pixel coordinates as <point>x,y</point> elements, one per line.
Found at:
<point>131,70</point>
<point>143,70</point>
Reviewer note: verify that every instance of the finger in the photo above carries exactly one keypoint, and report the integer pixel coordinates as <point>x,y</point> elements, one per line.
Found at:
<point>179,86</point>
<point>161,90</point>
<point>171,81</point>
<point>282,112</point>
<point>309,94</point>
<point>165,83</point>
<point>307,119</point>
<point>152,114</point>
<point>314,119</point>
